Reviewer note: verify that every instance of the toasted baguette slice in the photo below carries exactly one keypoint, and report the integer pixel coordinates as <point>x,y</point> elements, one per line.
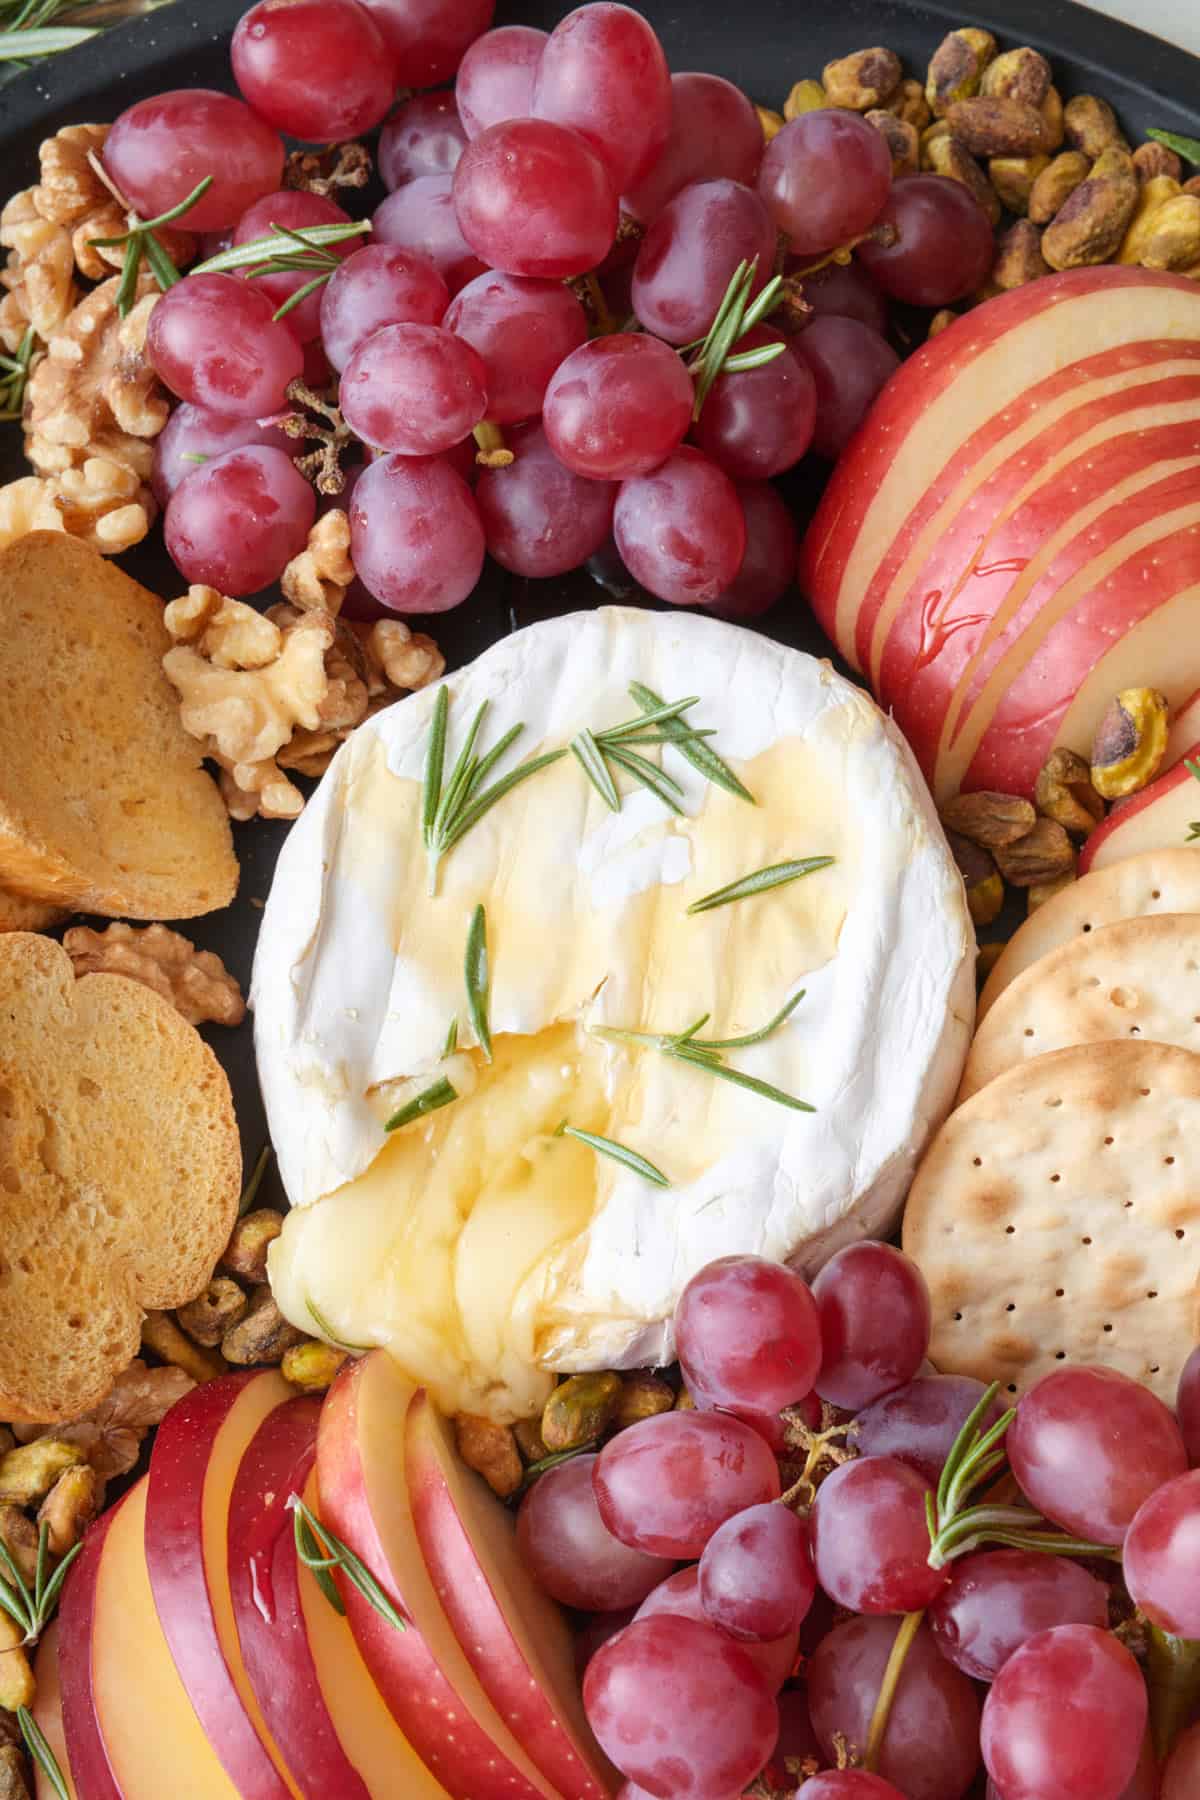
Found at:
<point>119,1174</point>
<point>19,914</point>
<point>104,803</point>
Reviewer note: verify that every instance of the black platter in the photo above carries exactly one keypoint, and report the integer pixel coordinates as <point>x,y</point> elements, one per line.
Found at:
<point>763,45</point>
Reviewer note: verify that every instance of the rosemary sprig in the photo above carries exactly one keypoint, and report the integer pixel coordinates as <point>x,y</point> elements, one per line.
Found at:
<point>692,745</point>
<point>658,723</point>
<point>310,1537</point>
<point>430,1099</point>
<point>33,1608</point>
<point>957,1528</point>
<point>1187,147</point>
<point>761,882</point>
<point>40,1751</point>
<point>451,1043</point>
<point>449,809</point>
<point>619,1153</point>
<point>250,1191</point>
<point>140,242</point>
<point>326,1330</point>
<point>736,315</point>
<point>708,1053</point>
<point>23,46</point>
<point>1193,769</point>
<point>478,980</point>
<point>543,1466</point>
<point>285,251</point>
<point>15,371</point>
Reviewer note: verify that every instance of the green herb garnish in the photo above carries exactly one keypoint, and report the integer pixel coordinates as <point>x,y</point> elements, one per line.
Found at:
<point>250,1191</point>
<point>40,1751</point>
<point>285,251</point>
<point>140,242</point>
<point>478,980</point>
<point>1193,769</point>
<point>430,1099</point>
<point>619,1153</point>
<point>326,1330</point>
<point>737,314</point>
<point>692,745</point>
<point>1187,147</point>
<point>33,1608</point>
<point>451,1043</point>
<point>708,1053</point>
<point>761,882</point>
<point>321,1552</point>
<point>15,371</point>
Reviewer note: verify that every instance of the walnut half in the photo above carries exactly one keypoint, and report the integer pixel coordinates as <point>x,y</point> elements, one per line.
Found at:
<point>196,982</point>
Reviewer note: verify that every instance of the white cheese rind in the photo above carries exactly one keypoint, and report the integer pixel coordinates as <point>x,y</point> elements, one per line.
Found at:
<point>877,1045</point>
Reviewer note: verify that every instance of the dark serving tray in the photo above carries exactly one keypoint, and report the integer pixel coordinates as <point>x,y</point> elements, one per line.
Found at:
<point>765,46</point>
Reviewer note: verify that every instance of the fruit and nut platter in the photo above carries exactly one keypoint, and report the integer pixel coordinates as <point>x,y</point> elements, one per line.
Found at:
<point>713,1307</point>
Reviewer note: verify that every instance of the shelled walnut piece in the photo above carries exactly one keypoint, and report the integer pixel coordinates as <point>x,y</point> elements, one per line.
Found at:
<point>109,1435</point>
<point>196,982</point>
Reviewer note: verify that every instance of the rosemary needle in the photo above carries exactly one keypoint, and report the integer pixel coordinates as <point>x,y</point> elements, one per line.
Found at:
<point>761,882</point>
<point>618,1152</point>
<point>478,980</point>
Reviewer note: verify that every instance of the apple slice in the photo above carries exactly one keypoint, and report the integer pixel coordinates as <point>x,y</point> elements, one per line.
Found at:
<point>48,1716</point>
<point>145,1722</point>
<point>515,1637</point>
<point>434,1694</point>
<point>1185,722</point>
<point>197,1451</point>
<point>81,1730</point>
<point>1159,818</point>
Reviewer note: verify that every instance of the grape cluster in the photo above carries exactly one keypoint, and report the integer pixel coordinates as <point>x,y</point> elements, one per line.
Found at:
<point>815,1469</point>
<point>563,167</point>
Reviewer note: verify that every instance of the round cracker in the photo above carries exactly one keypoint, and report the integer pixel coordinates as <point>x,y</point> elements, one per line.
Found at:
<point>1157,881</point>
<point>1139,978</point>
<point>1056,1218</point>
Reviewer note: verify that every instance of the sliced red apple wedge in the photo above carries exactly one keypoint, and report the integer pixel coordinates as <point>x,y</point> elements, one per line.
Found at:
<point>1159,818</point>
<point>47,1716</point>
<point>434,1694</point>
<point>76,1614</point>
<point>515,1637</point>
<point>1185,719</point>
<point>197,1451</point>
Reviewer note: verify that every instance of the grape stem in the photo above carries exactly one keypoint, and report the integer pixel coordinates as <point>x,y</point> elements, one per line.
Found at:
<point>910,1624</point>
<point>323,466</point>
<point>493,452</point>
<point>1173,1671</point>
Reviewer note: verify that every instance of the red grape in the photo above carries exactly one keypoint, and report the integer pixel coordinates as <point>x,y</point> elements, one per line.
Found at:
<point>679,1595</point>
<point>496,79</point>
<point>194,435</point>
<point>162,148</point>
<point>541,519</point>
<point>429,37</point>
<point>850,1784</point>
<point>1187,1406</point>
<point>1162,1557</point>
<point>771,1426</point>
<point>533,198</point>
<point>413,388</point>
<point>846,291</point>
<point>1088,1445</point>
<point>420,216</point>
<point>999,1599</point>
<point>681,530</point>
<point>931,1747</point>
<point>571,1552</point>
<point>944,246</point>
<point>680,1708</point>
<point>1064,1718</point>
<point>876,1318</point>
<point>690,253</point>
<point>214,340</point>
<point>1181,1775</point>
<point>416,537</point>
<point>298,211</point>
<point>316,69</point>
<point>523,330</point>
<point>824,179</point>
<point>383,284</point>
<point>1144,1785</point>
<point>425,136</point>
<point>918,1424</point>
<point>604,72</point>
<point>870,1538</point>
<point>714,132</point>
<point>756,1574</point>
<point>769,565</point>
<point>236,522</point>
<point>849,365</point>
<point>747,1334</point>
<point>665,1484</point>
<point>756,423</point>
<point>618,406</point>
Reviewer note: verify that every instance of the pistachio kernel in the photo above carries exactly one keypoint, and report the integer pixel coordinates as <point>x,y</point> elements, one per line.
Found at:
<point>1091,126</point>
<point>1130,742</point>
<point>985,889</point>
<point>1055,185</point>
<point>580,1410</point>
<point>1022,74</point>
<point>863,80</point>
<point>989,819</point>
<point>1064,792</point>
<point>956,68</point>
<point>1043,854</point>
<point>805,97</point>
<point>643,1396</point>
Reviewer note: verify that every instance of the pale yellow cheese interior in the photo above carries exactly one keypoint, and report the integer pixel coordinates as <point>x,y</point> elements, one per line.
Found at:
<point>445,1249</point>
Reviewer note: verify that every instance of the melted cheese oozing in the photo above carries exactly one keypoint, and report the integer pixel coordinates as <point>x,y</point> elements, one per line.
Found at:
<point>460,1247</point>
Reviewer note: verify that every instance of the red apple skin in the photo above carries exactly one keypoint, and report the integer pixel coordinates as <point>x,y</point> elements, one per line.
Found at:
<point>1185,729</point>
<point>266,1600</point>
<point>90,1768</point>
<point>478,1614</point>
<point>948,631</point>
<point>175,1561</point>
<point>1166,799</point>
<point>407,1670</point>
